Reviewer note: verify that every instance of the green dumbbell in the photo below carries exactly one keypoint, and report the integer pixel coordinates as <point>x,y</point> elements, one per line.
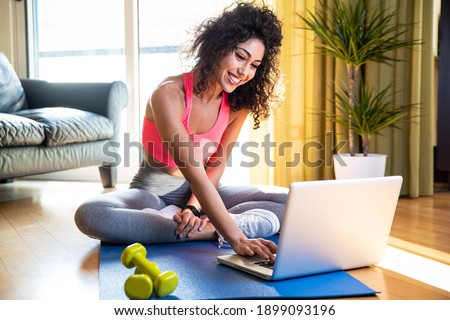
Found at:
<point>138,286</point>
<point>164,283</point>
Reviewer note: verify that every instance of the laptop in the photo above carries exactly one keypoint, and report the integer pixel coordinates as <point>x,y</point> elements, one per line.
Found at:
<point>329,225</point>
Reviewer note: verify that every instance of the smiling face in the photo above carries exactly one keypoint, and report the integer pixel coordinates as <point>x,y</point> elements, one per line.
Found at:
<point>239,66</point>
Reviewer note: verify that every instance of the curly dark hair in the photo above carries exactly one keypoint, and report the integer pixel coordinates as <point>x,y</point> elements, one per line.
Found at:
<point>217,37</point>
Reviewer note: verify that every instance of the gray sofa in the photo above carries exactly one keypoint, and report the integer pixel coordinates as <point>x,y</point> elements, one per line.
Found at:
<point>47,127</point>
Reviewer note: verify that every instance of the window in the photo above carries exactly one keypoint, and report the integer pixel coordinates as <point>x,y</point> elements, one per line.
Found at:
<point>78,40</point>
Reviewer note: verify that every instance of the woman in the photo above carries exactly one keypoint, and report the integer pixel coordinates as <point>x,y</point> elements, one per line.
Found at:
<point>191,123</point>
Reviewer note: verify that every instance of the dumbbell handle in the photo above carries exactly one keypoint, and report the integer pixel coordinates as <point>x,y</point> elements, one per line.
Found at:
<point>148,267</point>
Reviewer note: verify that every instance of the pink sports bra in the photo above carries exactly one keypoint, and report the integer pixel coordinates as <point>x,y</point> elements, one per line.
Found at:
<point>205,143</point>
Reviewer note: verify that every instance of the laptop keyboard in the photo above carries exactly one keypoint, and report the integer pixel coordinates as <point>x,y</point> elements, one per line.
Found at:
<point>267,264</point>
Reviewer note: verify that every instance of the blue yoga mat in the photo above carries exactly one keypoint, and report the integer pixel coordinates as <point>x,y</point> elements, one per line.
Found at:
<point>201,277</point>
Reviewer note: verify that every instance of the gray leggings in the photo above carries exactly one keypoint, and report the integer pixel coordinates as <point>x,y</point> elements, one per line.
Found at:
<point>117,217</point>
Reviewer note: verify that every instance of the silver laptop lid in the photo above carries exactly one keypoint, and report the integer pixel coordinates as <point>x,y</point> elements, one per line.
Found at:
<point>335,225</point>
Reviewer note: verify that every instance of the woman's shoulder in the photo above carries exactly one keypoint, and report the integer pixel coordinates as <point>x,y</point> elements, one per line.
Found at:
<point>171,88</point>
<point>238,115</point>
<point>170,85</point>
<point>168,93</point>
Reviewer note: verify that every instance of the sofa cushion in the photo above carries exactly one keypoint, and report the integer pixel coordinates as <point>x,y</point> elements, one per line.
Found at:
<point>19,131</point>
<point>12,96</point>
<point>66,125</point>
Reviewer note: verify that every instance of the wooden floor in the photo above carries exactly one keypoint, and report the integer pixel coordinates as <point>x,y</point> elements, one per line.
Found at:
<point>42,253</point>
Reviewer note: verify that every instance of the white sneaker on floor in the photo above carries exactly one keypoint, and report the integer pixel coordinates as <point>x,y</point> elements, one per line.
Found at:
<point>257,223</point>
<point>166,212</point>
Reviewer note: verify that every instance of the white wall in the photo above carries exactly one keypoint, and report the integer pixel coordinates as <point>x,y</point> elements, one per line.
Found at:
<point>12,34</point>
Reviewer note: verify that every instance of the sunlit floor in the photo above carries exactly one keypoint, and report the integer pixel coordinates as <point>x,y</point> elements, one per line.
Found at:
<point>44,256</point>
<point>428,271</point>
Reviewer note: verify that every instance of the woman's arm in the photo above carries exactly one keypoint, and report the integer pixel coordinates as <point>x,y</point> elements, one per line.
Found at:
<point>167,104</point>
<point>218,161</point>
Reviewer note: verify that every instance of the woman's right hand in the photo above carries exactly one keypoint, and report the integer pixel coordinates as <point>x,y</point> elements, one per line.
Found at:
<point>266,249</point>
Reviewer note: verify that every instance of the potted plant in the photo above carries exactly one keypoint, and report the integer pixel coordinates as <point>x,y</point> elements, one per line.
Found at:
<point>372,111</point>
<point>355,36</point>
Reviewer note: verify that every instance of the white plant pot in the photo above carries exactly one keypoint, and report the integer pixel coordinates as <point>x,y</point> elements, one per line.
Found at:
<point>359,166</point>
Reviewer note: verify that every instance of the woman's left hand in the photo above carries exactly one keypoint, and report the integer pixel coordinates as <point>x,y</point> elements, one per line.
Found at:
<point>188,223</point>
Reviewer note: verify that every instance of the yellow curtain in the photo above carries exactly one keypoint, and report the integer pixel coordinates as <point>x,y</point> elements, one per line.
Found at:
<point>298,142</point>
